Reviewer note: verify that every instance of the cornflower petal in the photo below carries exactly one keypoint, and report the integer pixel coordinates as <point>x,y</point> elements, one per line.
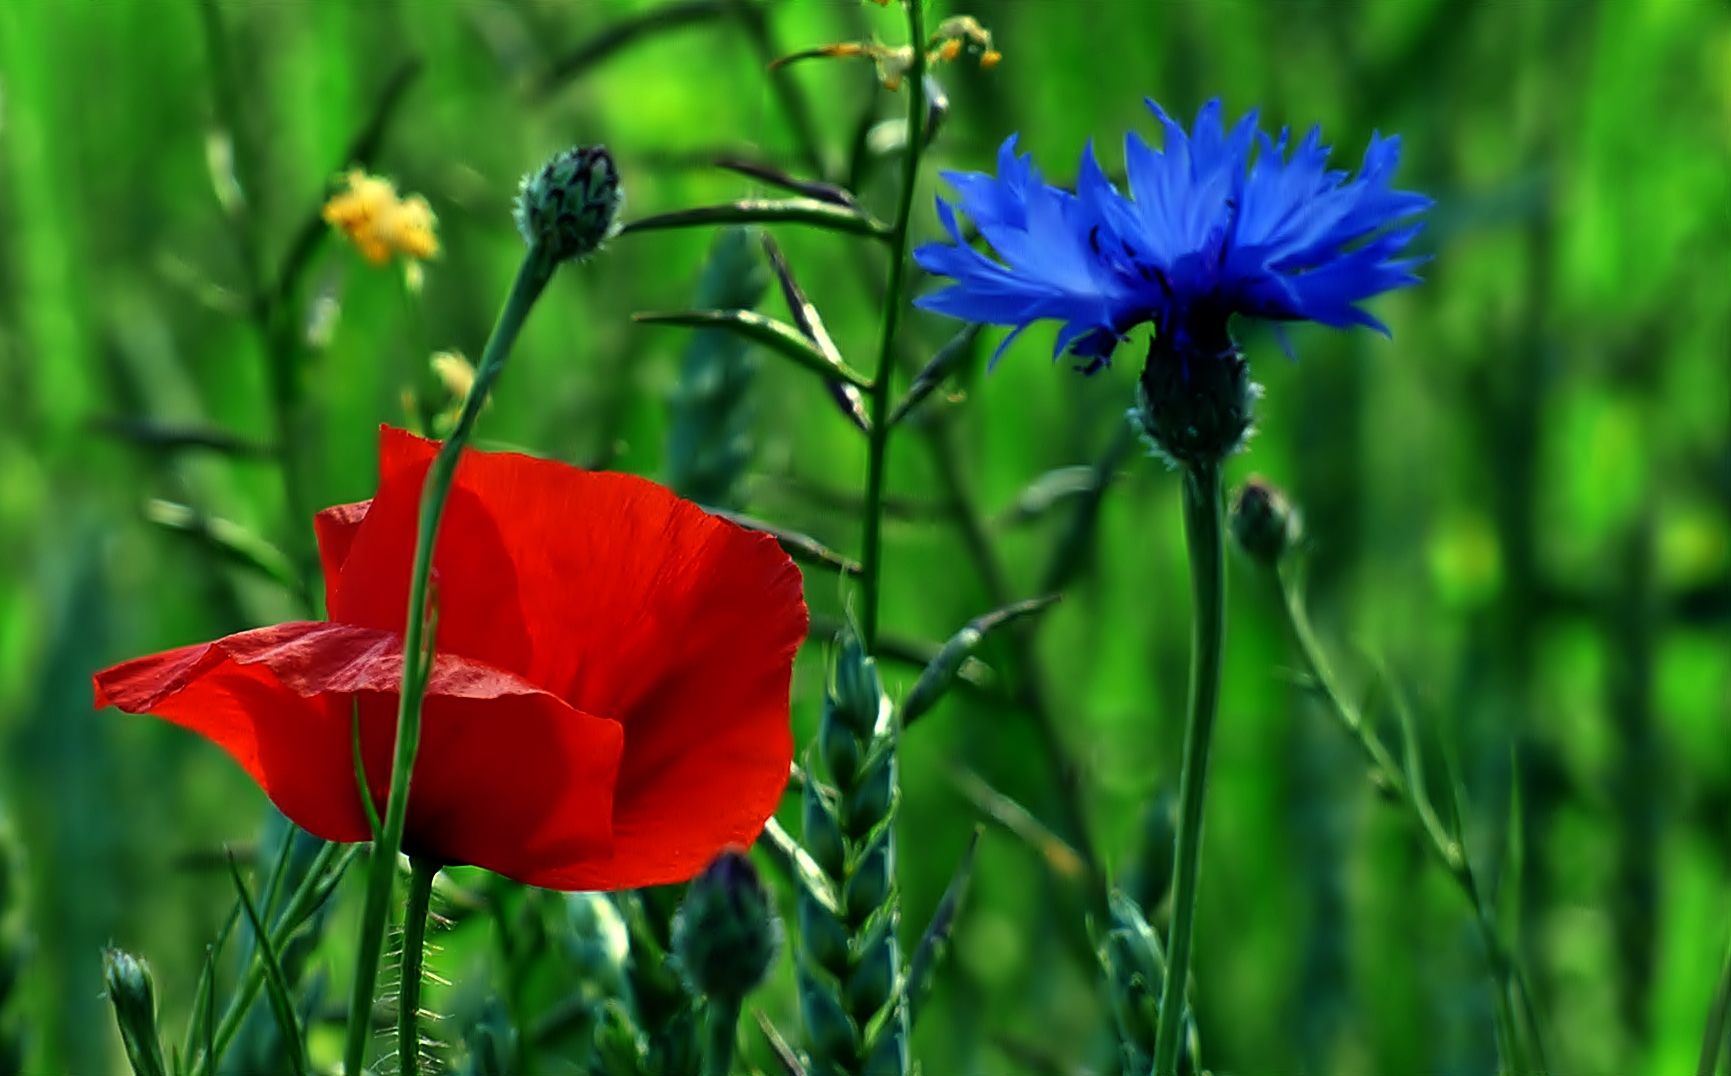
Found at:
<point>1218,221</point>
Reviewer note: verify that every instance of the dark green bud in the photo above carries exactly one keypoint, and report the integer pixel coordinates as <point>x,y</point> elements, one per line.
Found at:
<point>1263,522</point>
<point>829,1033</point>
<point>572,204</point>
<point>868,886</point>
<point>1195,399</point>
<point>872,982</point>
<point>133,993</point>
<point>867,804</point>
<point>823,937</point>
<point>821,831</point>
<point>726,934</point>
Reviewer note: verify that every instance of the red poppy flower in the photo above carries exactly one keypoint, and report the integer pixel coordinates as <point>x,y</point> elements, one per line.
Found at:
<point>609,701</point>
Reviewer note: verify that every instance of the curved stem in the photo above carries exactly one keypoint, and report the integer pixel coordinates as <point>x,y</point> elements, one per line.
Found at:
<point>532,277</point>
<point>414,950</point>
<point>1202,532</point>
<point>871,557</point>
<point>1510,986</point>
<point>720,1026</point>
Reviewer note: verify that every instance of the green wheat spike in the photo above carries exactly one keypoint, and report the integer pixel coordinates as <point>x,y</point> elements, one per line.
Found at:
<point>709,443</point>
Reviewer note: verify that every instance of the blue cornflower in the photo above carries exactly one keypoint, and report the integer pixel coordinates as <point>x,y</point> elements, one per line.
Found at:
<point>1220,222</point>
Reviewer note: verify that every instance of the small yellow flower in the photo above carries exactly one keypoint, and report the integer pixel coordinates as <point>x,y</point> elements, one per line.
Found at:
<point>457,376</point>
<point>455,373</point>
<point>379,223</point>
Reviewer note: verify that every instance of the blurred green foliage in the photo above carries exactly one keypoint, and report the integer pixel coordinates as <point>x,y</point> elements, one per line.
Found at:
<point>1522,502</point>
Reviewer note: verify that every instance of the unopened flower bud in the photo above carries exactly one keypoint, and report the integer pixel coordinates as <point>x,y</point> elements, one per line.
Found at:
<point>725,934</point>
<point>1263,522</point>
<point>1195,399</point>
<point>571,206</point>
<point>133,992</point>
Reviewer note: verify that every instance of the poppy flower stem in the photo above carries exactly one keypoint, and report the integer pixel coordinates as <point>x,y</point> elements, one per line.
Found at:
<point>422,872</point>
<point>1204,535</point>
<point>871,559</point>
<point>532,277</point>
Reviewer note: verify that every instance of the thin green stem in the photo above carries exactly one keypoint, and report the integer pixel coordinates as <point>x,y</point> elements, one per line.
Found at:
<point>1508,982</point>
<point>321,878</point>
<point>1203,533</point>
<point>871,557</point>
<point>422,872</point>
<point>532,277</point>
<point>720,1029</point>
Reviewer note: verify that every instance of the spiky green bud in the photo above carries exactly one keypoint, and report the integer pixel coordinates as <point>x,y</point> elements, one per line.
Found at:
<point>571,205</point>
<point>726,934</point>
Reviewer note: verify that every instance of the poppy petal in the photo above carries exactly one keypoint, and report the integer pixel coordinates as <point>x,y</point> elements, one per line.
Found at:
<point>629,603</point>
<point>336,528</point>
<point>508,777</point>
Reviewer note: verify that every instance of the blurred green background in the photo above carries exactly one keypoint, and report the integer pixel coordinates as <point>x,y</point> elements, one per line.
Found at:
<point>1522,503</point>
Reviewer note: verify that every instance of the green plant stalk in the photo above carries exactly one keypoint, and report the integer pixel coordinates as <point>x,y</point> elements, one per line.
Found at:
<point>720,1026</point>
<point>1204,536</point>
<point>1507,978</point>
<point>532,277</point>
<point>321,877</point>
<point>422,872</point>
<point>1713,1038</point>
<point>871,558</point>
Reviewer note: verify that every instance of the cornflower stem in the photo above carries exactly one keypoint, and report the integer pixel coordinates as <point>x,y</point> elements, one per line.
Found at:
<point>532,277</point>
<point>1203,534</point>
<point>1511,988</point>
<point>720,1025</point>
<point>871,557</point>
<point>421,873</point>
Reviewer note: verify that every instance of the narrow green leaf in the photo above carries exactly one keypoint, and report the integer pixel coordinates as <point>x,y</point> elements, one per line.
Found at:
<point>935,372</point>
<point>228,539</point>
<point>775,177</point>
<point>825,215</point>
<point>322,878</point>
<point>200,1023</point>
<point>761,330</point>
<point>785,1057</point>
<point>809,322</point>
<point>1019,821</point>
<point>1047,492</point>
<point>941,671</point>
<point>1718,1019</point>
<point>276,984</point>
<point>171,437</point>
<point>937,934</point>
<point>800,547</point>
